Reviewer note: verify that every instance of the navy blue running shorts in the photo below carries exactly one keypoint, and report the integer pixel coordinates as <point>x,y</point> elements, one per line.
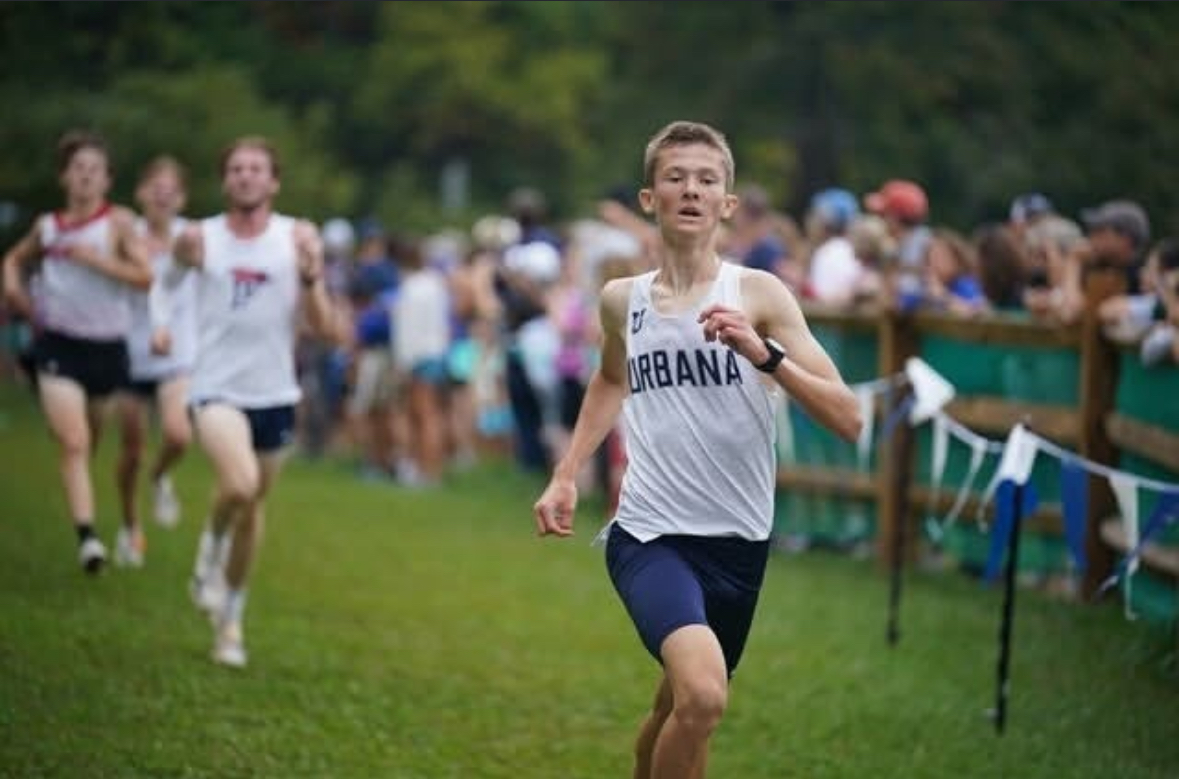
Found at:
<point>271,428</point>
<point>675,580</point>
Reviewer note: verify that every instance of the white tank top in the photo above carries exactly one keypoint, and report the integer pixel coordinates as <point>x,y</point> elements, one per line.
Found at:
<point>699,425</point>
<point>247,296</point>
<point>75,299</point>
<point>146,366</point>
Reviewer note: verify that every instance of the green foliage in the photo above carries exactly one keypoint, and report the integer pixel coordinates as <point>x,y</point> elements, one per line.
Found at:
<point>976,100</point>
<point>209,108</point>
<point>467,85</point>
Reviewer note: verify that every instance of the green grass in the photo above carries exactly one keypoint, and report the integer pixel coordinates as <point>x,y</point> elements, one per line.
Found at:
<point>401,634</point>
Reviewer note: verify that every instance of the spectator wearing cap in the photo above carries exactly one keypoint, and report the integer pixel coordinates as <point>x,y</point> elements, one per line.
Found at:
<point>1053,288</point>
<point>372,286</point>
<point>339,242</point>
<point>374,269</point>
<point>323,367</point>
<point>1118,233</point>
<point>905,208</point>
<point>835,270</point>
<point>529,207</point>
<point>1026,210</point>
<point>522,283</point>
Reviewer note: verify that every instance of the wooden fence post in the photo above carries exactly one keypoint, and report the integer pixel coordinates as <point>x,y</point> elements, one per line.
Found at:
<point>1098,391</point>
<point>894,475</point>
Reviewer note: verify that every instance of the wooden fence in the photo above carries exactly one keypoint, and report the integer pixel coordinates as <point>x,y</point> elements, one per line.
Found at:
<point>1071,392</point>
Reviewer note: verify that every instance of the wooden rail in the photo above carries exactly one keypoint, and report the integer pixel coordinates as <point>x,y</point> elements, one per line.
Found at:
<point>1092,427</point>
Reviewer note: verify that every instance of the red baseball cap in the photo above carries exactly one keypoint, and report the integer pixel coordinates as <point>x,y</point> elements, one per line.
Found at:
<point>898,198</point>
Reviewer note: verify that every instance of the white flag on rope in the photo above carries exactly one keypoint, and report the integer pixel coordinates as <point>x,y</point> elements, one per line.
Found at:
<point>931,391</point>
<point>1125,490</point>
<point>866,397</point>
<point>1019,455</point>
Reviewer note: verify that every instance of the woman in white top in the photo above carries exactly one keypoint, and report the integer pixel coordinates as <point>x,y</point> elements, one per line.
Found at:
<point>256,271</point>
<point>89,257</point>
<point>161,351</point>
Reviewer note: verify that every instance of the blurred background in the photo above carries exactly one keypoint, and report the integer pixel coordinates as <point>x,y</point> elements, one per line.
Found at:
<point>473,167</point>
<point>422,114</point>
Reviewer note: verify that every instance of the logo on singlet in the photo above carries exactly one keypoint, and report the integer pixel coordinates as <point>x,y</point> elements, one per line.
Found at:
<point>661,368</point>
<point>636,320</point>
<point>58,250</point>
<point>245,283</point>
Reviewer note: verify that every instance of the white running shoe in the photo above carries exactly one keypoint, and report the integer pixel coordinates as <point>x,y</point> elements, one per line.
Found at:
<point>130,546</point>
<point>229,647</point>
<point>167,507</point>
<point>207,587</point>
<point>92,555</point>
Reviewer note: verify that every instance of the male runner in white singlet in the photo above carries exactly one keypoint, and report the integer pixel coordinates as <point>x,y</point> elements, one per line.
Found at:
<point>161,351</point>
<point>695,355</point>
<point>255,271</point>
<point>89,258</point>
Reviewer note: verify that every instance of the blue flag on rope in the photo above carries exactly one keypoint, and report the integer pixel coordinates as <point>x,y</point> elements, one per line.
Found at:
<point>1005,523</point>
<point>896,415</point>
<point>1074,494</point>
<point>1166,511</point>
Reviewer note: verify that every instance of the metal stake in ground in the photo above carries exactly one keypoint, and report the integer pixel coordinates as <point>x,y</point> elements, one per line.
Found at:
<point>898,435</point>
<point>1008,608</point>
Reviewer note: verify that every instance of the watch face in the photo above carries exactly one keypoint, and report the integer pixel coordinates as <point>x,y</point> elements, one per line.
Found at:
<point>777,352</point>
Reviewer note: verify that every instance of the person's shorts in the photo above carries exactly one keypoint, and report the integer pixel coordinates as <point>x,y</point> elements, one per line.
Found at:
<point>100,367</point>
<point>673,581</point>
<point>373,386</point>
<point>143,389</point>
<point>431,370</point>
<point>461,359</point>
<point>271,428</point>
<point>148,389</point>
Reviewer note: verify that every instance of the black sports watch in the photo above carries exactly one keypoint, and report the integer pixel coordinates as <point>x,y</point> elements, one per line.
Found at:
<point>777,352</point>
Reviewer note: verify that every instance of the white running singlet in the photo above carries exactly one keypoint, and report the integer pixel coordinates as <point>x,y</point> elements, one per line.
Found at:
<point>75,299</point>
<point>181,321</point>
<point>699,425</point>
<point>247,295</point>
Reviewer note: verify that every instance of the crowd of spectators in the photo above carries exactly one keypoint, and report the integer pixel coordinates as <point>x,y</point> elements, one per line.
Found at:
<point>481,341</point>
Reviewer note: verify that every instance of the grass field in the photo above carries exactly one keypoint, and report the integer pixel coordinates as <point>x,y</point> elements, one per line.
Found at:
<point>430,634</point>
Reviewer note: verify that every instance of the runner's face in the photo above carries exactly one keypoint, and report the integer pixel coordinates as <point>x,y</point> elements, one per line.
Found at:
<point>86,176</point>
<point>162,195</point>
<point>689,192</point>
<point>249,180</point>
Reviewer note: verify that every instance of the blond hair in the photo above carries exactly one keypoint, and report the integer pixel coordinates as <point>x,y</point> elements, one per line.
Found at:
<point>682,133</point>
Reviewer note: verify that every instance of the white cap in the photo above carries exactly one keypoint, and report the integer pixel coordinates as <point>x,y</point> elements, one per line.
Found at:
<point>338,236</point>
<point>538,261</point>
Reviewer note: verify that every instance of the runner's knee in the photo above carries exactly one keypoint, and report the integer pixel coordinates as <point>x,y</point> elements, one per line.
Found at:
<point>700,704</point>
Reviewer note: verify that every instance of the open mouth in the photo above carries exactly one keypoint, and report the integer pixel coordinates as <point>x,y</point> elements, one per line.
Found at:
<point>690,211</point>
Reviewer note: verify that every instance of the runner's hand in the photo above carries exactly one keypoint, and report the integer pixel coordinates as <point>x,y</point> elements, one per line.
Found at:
<point>161,342</point>
<point>554,511</point>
